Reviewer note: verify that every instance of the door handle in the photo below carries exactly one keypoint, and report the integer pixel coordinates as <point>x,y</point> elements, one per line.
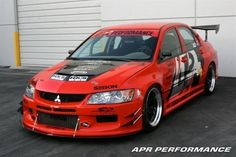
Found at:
<point>184,59</point>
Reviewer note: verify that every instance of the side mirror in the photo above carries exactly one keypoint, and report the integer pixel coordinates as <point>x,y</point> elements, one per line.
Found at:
<point>70,52</point>
<point>166,54</point>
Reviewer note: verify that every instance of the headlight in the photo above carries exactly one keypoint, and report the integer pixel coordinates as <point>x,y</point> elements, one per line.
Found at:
<point>29,92</point>
<point>112,97</point>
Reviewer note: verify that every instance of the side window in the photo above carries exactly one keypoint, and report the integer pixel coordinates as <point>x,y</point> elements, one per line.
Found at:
<point>170,46</point>
<point>187,35</point>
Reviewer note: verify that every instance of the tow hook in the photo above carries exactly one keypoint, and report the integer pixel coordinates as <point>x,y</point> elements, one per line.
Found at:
<point>20,108</point>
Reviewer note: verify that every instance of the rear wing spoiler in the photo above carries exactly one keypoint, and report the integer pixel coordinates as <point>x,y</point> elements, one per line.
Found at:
<point>207,28</point>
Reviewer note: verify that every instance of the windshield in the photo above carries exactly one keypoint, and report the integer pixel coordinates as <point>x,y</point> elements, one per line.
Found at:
<point>120,45</point>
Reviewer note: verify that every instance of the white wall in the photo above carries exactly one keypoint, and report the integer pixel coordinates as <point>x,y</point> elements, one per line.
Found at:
<point>7,29</point>
<point>49,28</point>
<point>223,13</point>
<point>199,12</point>
<point>123,11</point>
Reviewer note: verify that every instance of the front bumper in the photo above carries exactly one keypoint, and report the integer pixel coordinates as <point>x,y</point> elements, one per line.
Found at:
<point>91,120</point>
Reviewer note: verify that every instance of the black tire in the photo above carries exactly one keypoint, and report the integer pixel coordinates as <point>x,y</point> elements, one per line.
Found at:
<point>210,82</point>
<point>152,109</point>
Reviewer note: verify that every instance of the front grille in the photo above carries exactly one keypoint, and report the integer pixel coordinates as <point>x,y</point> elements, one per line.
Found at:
<point>66,121</point>
<point>62,97</point>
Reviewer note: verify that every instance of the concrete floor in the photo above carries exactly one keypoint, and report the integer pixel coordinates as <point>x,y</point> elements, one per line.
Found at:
<point>204,121</point>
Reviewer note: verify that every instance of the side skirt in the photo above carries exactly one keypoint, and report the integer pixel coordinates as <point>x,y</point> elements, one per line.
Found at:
<point>174,103</point>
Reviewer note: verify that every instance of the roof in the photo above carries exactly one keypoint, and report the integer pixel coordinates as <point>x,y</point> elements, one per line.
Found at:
<point>144,25</point>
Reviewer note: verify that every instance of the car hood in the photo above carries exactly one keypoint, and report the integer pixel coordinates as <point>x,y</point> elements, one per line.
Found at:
<point>86,76</point>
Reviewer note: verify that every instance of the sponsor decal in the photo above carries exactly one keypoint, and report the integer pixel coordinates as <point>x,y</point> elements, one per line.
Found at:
<point>58,77</point>
<point>126,33</point>
<point>105,87</point>
<point>78,78</point>
<point>186,73</point>
<point>69,78</point>
<point>105,109</point>
<point>94,83</point>
<point>131,32</point>
<point>83,69</point>
<point>78,72</point>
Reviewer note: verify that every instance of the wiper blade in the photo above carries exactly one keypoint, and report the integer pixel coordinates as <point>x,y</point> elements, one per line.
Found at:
<point>118,59</point>
<point>73,58</point>
<point>112,59</point>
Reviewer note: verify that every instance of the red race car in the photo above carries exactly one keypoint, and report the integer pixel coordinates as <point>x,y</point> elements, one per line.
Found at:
<point>121,80</point>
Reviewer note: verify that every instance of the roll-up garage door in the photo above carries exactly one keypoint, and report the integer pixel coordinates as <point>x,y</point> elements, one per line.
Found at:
<point>49,28</point>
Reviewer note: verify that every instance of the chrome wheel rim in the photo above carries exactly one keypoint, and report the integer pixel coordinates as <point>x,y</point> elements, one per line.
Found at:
<point>211,80</point>
<point>154,107</point>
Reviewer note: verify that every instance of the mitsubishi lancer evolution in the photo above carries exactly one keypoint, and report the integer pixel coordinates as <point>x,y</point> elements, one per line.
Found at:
<point>121,80</point>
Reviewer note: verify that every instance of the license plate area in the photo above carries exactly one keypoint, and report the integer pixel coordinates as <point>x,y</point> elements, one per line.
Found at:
<point>58,120</point>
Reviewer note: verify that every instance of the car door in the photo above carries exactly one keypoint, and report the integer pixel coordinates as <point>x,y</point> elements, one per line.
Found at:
<point>171,63</point>
<point>195,59</point>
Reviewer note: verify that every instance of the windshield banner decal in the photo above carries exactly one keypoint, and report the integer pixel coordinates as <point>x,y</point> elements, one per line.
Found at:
<point>127,33</point>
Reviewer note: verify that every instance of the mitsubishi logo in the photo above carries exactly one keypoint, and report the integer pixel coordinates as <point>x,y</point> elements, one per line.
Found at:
<point>57,99</point>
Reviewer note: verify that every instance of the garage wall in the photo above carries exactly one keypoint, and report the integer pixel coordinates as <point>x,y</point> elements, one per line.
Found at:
<point>192,12</point>
<point>8,26</point>
<point>224,13</point>
<point>49,28</point>
<point>122,11</point>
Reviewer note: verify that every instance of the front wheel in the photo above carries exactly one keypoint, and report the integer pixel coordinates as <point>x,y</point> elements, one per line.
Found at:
<point>152,110</point>
<point>210,82</point>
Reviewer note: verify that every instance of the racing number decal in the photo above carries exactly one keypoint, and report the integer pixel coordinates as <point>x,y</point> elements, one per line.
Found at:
<point>180,73</point>
<point>195,66</point>
<point>186,73</point>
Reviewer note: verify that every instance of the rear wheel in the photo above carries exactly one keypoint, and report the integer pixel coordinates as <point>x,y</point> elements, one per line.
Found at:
<point>210,82</point>
<point>152,110</point>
